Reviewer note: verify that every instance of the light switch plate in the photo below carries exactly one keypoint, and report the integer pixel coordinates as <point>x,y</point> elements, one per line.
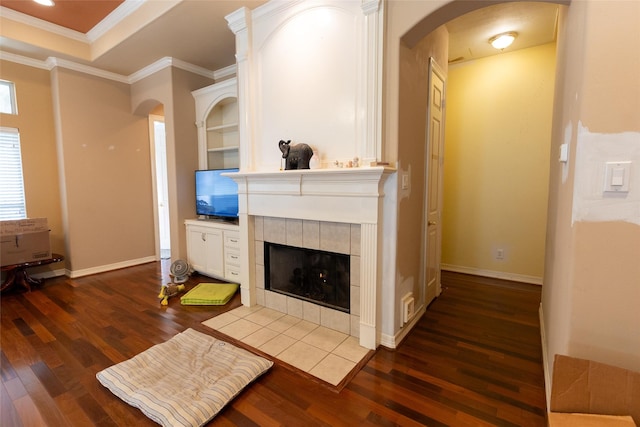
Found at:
<point>564,153</point>
<point>405,181</point>
<point>617,176</point>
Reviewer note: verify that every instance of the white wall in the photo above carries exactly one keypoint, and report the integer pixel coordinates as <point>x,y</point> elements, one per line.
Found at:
<point>306,66</point>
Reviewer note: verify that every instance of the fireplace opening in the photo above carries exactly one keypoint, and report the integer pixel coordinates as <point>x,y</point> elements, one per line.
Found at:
<point>316,276</point>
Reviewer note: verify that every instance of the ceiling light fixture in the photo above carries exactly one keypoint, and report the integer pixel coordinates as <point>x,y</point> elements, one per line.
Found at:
<point>503,40</point>
<point>45,2</point>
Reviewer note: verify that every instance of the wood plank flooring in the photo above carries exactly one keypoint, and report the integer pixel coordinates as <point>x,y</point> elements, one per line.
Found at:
<point>474,359</point>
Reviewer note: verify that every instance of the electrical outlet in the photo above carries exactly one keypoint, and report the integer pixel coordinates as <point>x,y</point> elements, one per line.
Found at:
<point>500,253</point>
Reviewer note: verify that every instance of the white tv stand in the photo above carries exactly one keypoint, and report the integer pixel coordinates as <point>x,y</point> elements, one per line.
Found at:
<point>213,248</point>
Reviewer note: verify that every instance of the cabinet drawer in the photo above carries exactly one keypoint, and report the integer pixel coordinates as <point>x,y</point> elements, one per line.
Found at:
<point>232,258</point>
<point>232,240</point>
<point>233,275</point>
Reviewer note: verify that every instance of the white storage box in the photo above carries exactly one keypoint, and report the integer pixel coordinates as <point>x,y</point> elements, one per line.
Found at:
<point>24,240</point>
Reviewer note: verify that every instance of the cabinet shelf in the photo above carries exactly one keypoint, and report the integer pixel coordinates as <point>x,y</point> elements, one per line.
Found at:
<point>223,149</point>
<point>218,125</point>
<point>230,127</point>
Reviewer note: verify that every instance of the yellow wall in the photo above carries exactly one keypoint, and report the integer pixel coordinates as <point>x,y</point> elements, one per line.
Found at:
<point>37,140</point>
<point>496,174</point>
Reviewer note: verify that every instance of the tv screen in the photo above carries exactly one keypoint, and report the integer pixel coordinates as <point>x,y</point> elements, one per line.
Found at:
<point>216,195</point>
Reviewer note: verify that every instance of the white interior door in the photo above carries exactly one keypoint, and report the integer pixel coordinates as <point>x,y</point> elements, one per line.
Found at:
<point>433,198</point>
<point>161,194</point>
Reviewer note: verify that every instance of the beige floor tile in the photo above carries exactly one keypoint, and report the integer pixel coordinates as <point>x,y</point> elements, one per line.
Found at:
<point>259,337</point>
<point>282,324</point>
<point>324,338</point>
<point>265,316</point>
<point>276,345</point>
<point>300,329</point>
<point>239,329</point>
<point>221,320</point>
<point>325,353</point>
<point>351,349</point>
<point>244,311</point>
<point>302,356</point>
<point>332,369</point>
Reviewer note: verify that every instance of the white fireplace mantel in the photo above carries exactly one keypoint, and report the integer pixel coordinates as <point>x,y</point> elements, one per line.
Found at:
<point>348,195</point>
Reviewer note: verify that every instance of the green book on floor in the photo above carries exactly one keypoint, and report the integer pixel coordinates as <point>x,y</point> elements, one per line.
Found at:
<point>210,294</point>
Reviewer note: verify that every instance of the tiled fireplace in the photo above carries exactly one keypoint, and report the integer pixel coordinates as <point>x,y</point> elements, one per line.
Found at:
<point>319,277</point>
<point>333,210</point>
<point>316,237</point>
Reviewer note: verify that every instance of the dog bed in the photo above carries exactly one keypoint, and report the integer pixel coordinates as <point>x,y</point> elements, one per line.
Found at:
<point>184,381</point>
<point>210,294</point>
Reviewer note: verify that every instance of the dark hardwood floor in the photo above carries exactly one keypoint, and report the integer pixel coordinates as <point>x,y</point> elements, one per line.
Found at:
<point>474,359</point>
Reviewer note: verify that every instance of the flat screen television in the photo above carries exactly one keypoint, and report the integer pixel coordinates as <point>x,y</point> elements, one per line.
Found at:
<point>216,195</point>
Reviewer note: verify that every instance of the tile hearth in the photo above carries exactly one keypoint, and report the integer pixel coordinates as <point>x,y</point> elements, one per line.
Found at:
<point>322,352</point>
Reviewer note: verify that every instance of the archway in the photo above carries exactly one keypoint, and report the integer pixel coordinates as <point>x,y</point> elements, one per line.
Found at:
<point>411,125</point>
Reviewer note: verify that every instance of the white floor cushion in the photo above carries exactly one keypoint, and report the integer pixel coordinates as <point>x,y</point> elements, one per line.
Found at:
<point>185,381</point>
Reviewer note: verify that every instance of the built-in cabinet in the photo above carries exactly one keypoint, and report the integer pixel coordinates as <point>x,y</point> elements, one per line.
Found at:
<point>217,121</point>
<point>213,249</point>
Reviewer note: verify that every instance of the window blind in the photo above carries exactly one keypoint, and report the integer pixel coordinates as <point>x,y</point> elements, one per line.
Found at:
<point>12,202</point>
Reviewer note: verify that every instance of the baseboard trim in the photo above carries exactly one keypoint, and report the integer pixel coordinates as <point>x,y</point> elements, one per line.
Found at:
<point>103,268</point>
<point>49,274</point>
<point>392,341</point>
<point>545,358</point>
<point>534,280</point>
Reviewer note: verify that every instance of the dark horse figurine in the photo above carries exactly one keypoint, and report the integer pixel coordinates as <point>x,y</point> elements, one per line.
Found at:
<point>297,156</point>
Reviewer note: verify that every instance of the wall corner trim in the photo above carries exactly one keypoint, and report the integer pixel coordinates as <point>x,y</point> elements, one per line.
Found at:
<point>545,358</point>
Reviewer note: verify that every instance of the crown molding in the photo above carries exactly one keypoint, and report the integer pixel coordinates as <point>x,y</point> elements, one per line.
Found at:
<point>100,29</point>
<point>42,25</point>
<point>127,8</point>
<point>111,20</point>
<point>237,20</point>
<point>53,62</point>
<point>23,60</point>
<point>169,62</point>
<point>150,69</point>
<point>225,72</point>
<point>370,6</point>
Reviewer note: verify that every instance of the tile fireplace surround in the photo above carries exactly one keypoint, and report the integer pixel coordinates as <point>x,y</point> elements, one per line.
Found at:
<point>337,210</point>
<point>310,234</point>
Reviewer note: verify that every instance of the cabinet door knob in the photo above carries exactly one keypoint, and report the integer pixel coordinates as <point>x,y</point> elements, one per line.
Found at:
<point>203,236</point>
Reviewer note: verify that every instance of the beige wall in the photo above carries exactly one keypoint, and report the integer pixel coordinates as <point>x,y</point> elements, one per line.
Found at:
<point>172,88</point>
<point>498,135</point>
<point>592,289</point>
<point>86,160</point>
<point>412,113</point>
<point>37,140</point>
<point>106,176</point>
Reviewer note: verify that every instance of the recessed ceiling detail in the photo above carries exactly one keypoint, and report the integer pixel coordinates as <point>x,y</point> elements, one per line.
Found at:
<point>77,15</point>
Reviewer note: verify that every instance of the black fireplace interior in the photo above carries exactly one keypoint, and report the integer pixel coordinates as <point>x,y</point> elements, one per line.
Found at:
<point>308,274</point>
